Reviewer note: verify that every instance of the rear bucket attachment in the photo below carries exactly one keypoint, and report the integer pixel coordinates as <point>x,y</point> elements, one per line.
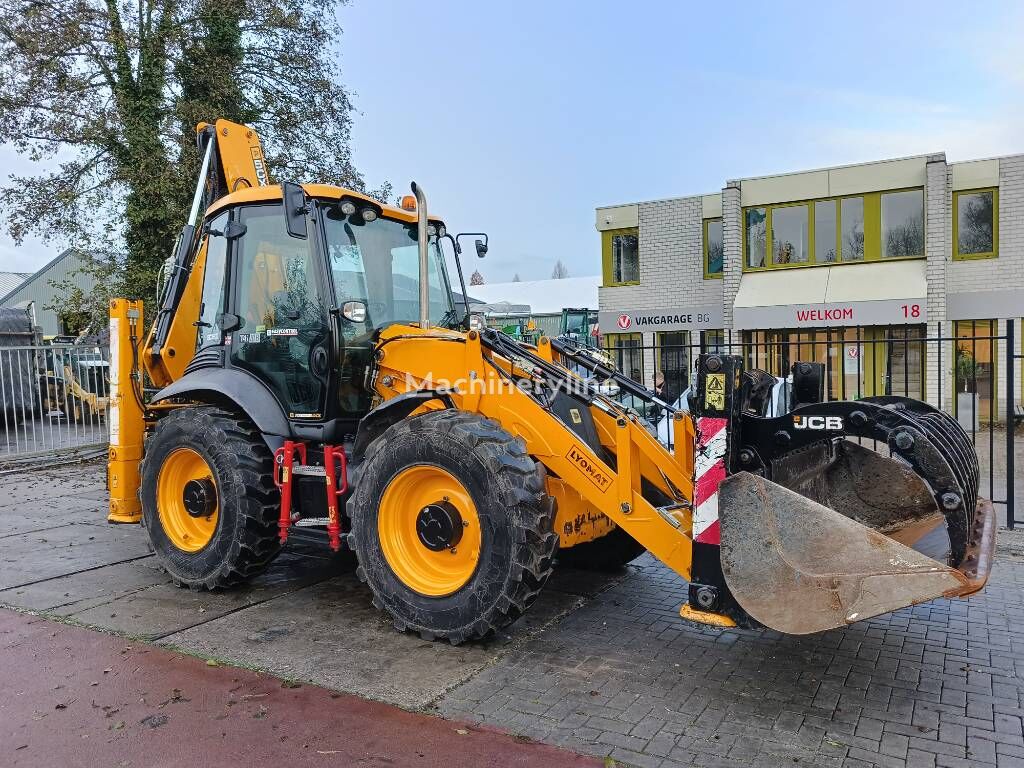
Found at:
<point>817,531</point>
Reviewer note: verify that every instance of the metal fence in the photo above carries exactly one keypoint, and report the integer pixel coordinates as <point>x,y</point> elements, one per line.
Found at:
<point>972,374</point>
<point>53,399</point>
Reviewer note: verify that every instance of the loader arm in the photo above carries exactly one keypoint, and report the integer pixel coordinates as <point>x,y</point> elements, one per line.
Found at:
<point>610,476</point>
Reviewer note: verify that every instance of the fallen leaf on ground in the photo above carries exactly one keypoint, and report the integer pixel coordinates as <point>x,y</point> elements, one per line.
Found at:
<point>154,721</point>
<point>461,731</point>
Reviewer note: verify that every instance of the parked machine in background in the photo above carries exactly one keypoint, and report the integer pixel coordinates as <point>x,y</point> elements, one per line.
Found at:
<point>311,365</point>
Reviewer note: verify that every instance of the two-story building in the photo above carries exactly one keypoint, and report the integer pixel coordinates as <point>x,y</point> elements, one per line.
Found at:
<point>854,266</point>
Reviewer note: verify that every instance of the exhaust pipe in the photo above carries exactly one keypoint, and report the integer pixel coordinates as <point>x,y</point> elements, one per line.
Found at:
<point>421,241</point>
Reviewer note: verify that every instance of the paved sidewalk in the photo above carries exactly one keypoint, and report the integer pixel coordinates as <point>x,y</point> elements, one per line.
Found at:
<point>73,697</point>
<point>601,665</point>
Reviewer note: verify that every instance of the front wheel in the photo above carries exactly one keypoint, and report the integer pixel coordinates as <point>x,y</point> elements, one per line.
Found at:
<point>208,499</point>
<point>451,526</point>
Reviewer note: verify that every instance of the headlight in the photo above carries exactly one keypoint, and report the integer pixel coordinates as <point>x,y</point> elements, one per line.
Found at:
<point>441,231</point>
<point>348,207</point>
<point>431,230</point>
<point>369,215</point>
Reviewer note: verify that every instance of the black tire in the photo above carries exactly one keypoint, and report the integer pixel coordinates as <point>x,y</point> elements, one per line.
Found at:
<point>516,516</point>
<point>245,539</point>
<point>608,553</point>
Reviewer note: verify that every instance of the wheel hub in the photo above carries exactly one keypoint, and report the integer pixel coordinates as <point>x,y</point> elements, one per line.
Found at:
<point>439,526</point>
<point>199,497</point>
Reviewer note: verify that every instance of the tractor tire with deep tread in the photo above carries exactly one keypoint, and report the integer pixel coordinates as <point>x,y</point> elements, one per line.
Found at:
<point>516,516</point>
<point>608,553</point>
<point>245,539</point>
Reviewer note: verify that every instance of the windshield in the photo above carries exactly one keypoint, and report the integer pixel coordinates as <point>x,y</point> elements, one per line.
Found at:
<point>377,263</point>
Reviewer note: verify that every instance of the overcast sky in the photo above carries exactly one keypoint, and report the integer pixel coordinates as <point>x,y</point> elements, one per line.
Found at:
<point>519,118</point>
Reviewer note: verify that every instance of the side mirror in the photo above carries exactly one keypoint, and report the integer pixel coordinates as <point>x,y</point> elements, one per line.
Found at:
<point>480,243</point>
<point>354,311</point>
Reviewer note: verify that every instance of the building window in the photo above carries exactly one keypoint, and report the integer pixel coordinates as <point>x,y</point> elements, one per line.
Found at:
<point>826,231</point>
<point>621,255</point>
<point>976,224</point>
<point>859,361</point>
<point>755,238</point>
<point>789,235</point>
<point>868,227</point>
<point>975,370</point>
<point>714,248</point>
<point>626,350</point>
<point>675,361</point>
<point>712,341</point>
<point>851,217</point>
<point>903,224</point>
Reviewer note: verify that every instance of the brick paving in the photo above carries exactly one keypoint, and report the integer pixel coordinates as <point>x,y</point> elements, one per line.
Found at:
<point>932,686</point>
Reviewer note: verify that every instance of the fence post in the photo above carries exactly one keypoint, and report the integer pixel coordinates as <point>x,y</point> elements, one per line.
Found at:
<point>1010,360</point>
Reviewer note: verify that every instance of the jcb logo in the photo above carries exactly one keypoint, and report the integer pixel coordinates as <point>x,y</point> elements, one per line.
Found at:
<point>828,423</point>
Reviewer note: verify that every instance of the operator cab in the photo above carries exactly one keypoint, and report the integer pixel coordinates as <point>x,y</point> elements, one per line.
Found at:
<point>295,296</point>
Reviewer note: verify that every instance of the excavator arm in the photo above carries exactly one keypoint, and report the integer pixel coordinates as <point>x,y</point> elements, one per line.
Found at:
<point>232,160</point>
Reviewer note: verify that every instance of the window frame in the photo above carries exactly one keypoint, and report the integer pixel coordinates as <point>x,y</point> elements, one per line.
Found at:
<point>994,254</point>
<point>608,268</point>
<point>612,348</point>
<point>708,274</point>
<point>872,230</point>
<point>881,230</point>
<point>993,346</point>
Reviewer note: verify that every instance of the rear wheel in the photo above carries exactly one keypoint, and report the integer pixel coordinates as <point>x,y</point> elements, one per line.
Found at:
<point>451,526</point>
<point>208,498</point>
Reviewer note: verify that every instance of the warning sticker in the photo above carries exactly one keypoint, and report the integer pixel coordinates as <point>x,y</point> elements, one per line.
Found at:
<point>714,392</point>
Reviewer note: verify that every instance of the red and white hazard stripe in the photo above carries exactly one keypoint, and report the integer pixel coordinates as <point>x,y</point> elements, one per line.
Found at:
<point>709,471</point>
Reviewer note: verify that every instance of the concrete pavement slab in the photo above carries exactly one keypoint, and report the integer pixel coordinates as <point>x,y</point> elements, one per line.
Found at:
<point>164,609</point>
<point>330,634</point>
<point>32,557</point>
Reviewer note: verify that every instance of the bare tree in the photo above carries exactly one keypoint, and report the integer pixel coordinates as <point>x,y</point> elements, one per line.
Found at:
<point>560,271</point>
<point>476,278</point>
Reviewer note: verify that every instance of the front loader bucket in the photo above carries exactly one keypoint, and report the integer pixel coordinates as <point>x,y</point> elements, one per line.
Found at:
<point>803,527</point>
<point>799,567</point>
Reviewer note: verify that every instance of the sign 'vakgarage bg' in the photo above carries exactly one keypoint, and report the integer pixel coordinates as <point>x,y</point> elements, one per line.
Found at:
<point>668,319</point>
<point>881,312</point>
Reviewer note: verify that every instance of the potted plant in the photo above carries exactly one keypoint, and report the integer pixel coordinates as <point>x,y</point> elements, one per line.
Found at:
<point>967,405</point>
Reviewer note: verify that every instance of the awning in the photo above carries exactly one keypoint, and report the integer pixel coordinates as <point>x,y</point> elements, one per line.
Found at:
<point>871,293</point>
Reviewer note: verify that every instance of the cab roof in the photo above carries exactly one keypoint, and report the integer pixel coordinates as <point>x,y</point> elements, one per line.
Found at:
<point>272,193</point>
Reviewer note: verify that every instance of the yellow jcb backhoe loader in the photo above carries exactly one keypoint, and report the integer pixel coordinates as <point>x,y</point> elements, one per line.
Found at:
<point>308,364</point>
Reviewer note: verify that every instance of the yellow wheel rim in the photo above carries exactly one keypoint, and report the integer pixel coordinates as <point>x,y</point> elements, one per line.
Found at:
<point>429,530</point>
<point>187,530</point>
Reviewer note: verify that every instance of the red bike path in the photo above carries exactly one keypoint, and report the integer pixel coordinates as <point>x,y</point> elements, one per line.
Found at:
<point>74,697</point>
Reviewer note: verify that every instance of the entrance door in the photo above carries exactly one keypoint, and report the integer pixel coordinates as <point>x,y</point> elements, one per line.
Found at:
<point>283,338</point>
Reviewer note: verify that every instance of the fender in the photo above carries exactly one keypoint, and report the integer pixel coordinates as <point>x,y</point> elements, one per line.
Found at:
<point>246,391</point>
<point>374,424</point>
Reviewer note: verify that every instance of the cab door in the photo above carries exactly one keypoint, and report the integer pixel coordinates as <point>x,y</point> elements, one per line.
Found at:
<point>282,335</point>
